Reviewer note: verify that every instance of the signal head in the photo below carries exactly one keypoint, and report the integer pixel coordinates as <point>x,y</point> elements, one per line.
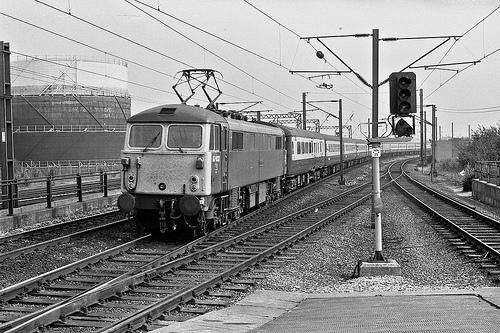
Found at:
<point>403,128</point>
<point>402,90</point>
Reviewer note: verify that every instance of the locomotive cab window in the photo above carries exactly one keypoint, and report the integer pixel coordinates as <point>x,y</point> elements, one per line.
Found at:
<point>145,136</point>
<point>184,136</point>
<point>214,137</point>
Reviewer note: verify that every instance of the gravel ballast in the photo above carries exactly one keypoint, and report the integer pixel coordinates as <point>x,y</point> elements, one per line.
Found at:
<point>329,257</point>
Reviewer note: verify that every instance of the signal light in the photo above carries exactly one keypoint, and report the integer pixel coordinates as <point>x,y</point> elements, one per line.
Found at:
<point>402,93</point>
<point>403,128</point>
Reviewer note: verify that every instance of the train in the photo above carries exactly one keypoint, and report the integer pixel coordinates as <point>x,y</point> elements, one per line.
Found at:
<point>189,169</point>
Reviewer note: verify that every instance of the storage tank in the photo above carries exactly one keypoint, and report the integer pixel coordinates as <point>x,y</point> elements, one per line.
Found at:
<point>61,104</point>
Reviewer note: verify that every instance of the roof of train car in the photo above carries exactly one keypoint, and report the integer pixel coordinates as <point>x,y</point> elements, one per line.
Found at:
<point>315,135</point>
<point>176,113</point>
<point>253,126</point>
<point>300,132</point>
<point>182,113</point>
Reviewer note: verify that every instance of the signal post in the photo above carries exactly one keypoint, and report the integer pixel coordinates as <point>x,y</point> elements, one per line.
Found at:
<point>402,92</point>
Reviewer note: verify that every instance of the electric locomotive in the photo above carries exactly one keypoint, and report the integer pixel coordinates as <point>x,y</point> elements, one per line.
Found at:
<point>186,168</point>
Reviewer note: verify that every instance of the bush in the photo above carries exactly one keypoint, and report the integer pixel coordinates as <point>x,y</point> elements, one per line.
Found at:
<point>485,146</point>
<point>449,165</point>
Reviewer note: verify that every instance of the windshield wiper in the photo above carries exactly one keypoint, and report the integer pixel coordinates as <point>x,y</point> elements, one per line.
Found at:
<point>180,149</point>
<point>151,143</point>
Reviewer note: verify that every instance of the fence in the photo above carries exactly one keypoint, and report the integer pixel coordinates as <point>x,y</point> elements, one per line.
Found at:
<point>23,192</point>
<point>70,128</point>
<point>34,169</point>
<point>488,171</point>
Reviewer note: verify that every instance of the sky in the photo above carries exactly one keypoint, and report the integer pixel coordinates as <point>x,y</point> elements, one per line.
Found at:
<point>266,33</point>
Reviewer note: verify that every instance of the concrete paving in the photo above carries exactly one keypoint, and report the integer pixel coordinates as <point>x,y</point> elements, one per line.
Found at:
<point>275,311</point>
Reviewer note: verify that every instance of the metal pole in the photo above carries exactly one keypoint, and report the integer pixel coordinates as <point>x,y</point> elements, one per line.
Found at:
<point>434,159</point>
<point>375,42</point>
<point>6,122</point>
<point>425,138</point>
<point>433,147</point>
<point>452,130</point>
<point>342,181</point>
<point>469,130</point>
<point>377,201</point>
<point>422,128</point>
<point>304,126</point>
<point>258,115</point>
<point>439,132</point>
<point>369,135</point>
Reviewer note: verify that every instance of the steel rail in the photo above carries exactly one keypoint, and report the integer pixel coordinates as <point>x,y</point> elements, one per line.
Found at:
<point>29,233</point>
<point>32,283</point>
<point>119,287</point>
<point>447,220</point>
<point>58,240</point>
<point>155,310</point>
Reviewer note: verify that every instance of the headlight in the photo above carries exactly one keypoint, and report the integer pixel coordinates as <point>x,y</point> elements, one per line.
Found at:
<point>194,183</point>
<point>131,182</point>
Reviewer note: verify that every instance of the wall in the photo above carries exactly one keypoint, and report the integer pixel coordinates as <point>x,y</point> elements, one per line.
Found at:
<point>56,146</point>
<point>486,192</point>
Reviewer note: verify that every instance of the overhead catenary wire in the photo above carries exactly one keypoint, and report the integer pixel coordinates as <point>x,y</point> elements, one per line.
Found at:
<point>87,45</point>
<point>153,50</point>
<point>39,77</point>
<point>92,72</point>
<point>458,72</point>
<point>213,35</point>
<point>315,49</point>
<point>471,109</point>
<point>212,53</point>
<point>237,45</point>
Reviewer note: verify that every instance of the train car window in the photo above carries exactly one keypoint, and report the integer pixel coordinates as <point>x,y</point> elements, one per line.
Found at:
<point>237,143</point>
<point>214,137</point>
<point>143,136</point>
<point>184,136</point>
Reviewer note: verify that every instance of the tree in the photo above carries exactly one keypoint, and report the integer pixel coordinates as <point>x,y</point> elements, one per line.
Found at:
<point>484,146</point>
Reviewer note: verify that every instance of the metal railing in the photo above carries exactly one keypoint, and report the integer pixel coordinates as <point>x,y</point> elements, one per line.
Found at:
<point>24,192</point>
<point>37,169</point>
<point>488,171</point>
<point>70,128</point>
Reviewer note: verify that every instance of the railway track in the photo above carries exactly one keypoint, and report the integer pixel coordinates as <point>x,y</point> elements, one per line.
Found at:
<point>147,295</point>
<point>476,235</point>
<point>36,239</point>
<point>23,300</point>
